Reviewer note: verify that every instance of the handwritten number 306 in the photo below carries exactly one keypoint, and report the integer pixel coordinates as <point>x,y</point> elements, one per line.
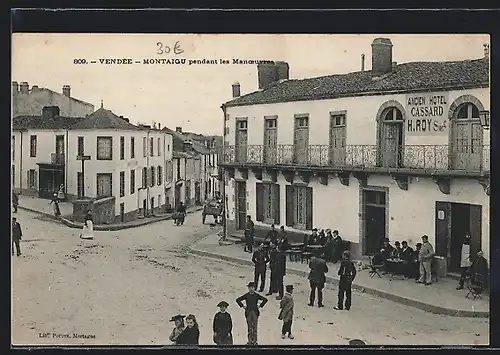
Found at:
<point>176,49</point>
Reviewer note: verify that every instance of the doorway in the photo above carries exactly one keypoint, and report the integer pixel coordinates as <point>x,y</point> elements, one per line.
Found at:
<point>270,140</point>
<point>375,218</point>
<point>122,212</point>
<point>241,140</point>
<point>241,204</point>
<point>301,140</point>
<point>391,140</point>
<point>453,221</point>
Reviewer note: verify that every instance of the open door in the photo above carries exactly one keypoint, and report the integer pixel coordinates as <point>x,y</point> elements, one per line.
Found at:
<point>475,230</point>
<point>443,229</point>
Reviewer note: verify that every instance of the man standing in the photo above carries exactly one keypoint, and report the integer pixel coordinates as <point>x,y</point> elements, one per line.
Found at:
<point>249,233</point>
<point>347,273</point>
<point>260,259</point>
<point>425,258</point>
<point>465,261</point>
<point>337,246</point>
<point>181,210</point>
<point>16,236</point>
<point>283,239</point>
<point>272,235</point>
<point>317,279</point>
<point>286,313</point>
<point>252,312</point>
<point>15,201</point>
<point>280,272</point>
<point>407,256</point>
<point>273,261</point>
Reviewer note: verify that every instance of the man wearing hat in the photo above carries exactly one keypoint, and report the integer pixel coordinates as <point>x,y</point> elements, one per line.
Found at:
<point>317,278</point>
<point>179,327</point>
<point>252,313</point>
<point>286,312</point>
<point>347,273</point>
<point>260,259</point>
<point>223,326</point>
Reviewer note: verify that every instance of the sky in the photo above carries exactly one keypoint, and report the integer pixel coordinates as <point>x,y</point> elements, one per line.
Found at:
<point>190,96</point>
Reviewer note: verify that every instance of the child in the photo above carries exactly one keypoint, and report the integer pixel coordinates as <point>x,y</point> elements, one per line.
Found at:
<point>223,326</point>
<point>286,313</point>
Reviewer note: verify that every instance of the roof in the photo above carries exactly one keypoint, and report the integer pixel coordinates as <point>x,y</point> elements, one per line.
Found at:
<point>104,119</point>
<point>70,97</point>
<point>407,77</point>
<point>197,146</point>
<point>187,155</point>
<point>24,122</point>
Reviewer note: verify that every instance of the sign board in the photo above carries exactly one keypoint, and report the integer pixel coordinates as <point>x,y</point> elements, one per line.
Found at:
<point>83,157</point>
<point>427,114</point>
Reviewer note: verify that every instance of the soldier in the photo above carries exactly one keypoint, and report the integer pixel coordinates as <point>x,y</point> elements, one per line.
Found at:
<point>252,313</point>
<point>179,327</point>
<point>347,273</point>
<point>260,259</point>
<point>16,236</point>
<point>223,326</point>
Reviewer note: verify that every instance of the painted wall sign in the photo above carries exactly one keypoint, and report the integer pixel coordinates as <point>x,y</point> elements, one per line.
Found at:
<point>427,114</point>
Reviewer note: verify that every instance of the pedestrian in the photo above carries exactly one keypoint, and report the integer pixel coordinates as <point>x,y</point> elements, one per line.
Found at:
<point>179,327</point>
<point>329,246</point>
<point>260,259</point>
<point>181,213</point>
<point>191,334</point>
<point>317,278</point>
<point>347,273</point>
<point>88,227</point>
<point>286,313</point>
<point>15,201</point>
<point>283,243</point>
<point>55,201</point>
<point>272,235</point>
<point>407,257</point>
<point>280,272</point>
<point>465,261</point>
<point>60,193</point>
<point>16,236</point>
<point>425,258</point>
<point>223,325</point>
<point>416,263</point>
<point>249,234</point>
<point>252,312</point>
<point>337,247</point>
<point>273,261</point>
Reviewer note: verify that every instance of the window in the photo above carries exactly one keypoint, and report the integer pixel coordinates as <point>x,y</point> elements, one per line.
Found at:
<point>122,148</point>
<point>299,209</point>
<point>144,146</point>
<point>81,146</point>
<point>104,185</point>
<point>271,123</point>
<point>132,147</point>
<point>144,177</point>
<point>302,122</point>
<point>168,171</point>
<point>160,175</point>
<point>242,124</point>
<point>104,148</point>
<point>13,147</point>
<point>159,147</point>
<point>268,202</point>
<point>151,147</point>
<point>132,182</point>
<point>393,114</point>
<point>375,197</point>
<point>152,177</point>
<point>32,146</point>
<point>338,120</point>
<point>32,180</point>
<point>168,147</point>
<point>122,183</point>
<point>178,169</point>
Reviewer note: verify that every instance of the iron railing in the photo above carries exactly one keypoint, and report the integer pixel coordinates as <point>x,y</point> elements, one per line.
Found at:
<point>409,157</point>
<point>57,158</point>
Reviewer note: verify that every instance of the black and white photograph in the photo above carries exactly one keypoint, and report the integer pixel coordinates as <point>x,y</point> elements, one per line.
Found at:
<point>186,190</point>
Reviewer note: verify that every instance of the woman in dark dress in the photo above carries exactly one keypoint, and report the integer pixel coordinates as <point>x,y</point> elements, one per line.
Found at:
<point>191,334</point>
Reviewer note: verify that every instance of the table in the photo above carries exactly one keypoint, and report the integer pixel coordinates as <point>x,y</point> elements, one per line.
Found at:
<point>296,245</point>
<point>314,248</point>
<point>395,266</point>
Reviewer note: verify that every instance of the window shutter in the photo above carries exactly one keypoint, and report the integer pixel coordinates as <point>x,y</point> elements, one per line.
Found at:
<point>289,205</point>
<point>309,208</point>
<point>276,197</point>
<point>35,179</point>
<point>259,201</point>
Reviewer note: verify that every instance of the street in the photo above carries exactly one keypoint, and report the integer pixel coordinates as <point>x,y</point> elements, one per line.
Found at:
<point>123,287</point>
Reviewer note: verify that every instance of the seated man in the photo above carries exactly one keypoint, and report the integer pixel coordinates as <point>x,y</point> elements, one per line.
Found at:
<point>396,252</point>
<point>479,270</point>
<point>385,252</point>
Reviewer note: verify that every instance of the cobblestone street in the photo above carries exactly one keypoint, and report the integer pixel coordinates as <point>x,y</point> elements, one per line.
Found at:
<point>124,286</point>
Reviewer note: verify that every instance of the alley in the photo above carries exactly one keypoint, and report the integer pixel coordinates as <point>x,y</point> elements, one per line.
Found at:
<point>123,287</point>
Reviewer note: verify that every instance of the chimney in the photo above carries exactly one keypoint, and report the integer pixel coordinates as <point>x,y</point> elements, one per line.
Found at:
<point>15,88</point>
<point>236,90</point>
<point>486,50</point>
<point>362,62</point>
<point>35,88</point>
<point>282,71</point>
<point>381,56</point>
<point>24,88</point>
<point>267,74</point>
<point>50,112</point>
<point>178,129</point>
<point>66,90</point>
<point>159,126</point>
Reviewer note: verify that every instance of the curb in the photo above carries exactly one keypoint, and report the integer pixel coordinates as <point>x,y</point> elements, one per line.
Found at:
<point>371,291</point>
<point>104,228</point>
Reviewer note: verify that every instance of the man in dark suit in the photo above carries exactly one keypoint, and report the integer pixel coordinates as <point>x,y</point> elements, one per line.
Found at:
<point>317,278</point>
<point>280,272</point>
<point>273,260</point>
<point>272,235</point>
<point>260,259</point>
<point>16,236</point>
<point>479,270</point>
<point>407,256</point>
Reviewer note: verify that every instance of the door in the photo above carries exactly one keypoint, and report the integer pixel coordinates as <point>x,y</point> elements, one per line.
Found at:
<point>337,140</point>
<point>122,212</point>
<point>374,206</point>
<point>443,228</point>
<point>475,226</point>
<point>460,218</point>
<point>241,204</point>
<point>241,140</point>
<point>468,138</point>
<point>391,138</point>
<point>301,141</point>
<point>270,140</point>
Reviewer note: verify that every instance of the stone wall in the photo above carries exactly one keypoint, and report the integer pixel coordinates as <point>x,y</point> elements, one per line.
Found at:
<point>103,210</point>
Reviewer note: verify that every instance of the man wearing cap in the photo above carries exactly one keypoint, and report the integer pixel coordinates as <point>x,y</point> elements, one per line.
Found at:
<point>223,326</point>
<point>286,312</point>
<point>260,259</point>
<point>252,313</point>
<point>179,327</point>
<point>317,278</point>
<point>347,273</point>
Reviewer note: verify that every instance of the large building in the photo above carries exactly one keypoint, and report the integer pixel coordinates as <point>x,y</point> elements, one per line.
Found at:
<point>396,152</point>
<point>122,161</point>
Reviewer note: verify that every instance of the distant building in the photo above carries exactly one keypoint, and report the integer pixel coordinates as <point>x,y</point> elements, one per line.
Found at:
<point>396,152</point>
<point>30,101</point>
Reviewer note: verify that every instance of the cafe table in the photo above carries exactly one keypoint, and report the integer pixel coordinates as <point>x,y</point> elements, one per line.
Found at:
<point>395,266</point>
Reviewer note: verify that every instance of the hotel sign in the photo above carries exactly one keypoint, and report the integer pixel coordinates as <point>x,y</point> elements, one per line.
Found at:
<point>427,114</point>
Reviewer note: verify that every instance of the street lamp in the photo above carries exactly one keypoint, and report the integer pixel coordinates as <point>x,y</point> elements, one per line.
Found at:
<point>484,117</point>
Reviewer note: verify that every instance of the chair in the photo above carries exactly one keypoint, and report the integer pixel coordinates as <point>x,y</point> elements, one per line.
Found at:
<point>476,288</point>
<point>374,269</point>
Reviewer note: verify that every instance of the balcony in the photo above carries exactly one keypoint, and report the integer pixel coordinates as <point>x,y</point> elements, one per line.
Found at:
<point>57,158</point>
<point>410,159</point>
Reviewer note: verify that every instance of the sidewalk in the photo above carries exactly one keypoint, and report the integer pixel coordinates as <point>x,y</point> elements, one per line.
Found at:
<point>440,298</point>
<point>42,206</point>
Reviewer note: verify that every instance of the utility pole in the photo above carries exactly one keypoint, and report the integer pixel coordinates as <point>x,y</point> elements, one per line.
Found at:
<point>83,158</point>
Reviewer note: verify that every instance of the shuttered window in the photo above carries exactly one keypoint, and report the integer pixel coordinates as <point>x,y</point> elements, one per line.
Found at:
<point>152,177</point>
<point>144,177</point>
<point>160,175</point>
<point>132,147</point>
<point>132,181</point>
<point>32,179</point>
<point>122,183</point>
<point>299,211</point>
<point>104,185</point>
<point>105,148</point>
<point>268,203</point>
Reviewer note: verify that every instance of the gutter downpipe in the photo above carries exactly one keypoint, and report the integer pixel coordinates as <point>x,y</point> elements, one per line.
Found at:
<point>66,168</point>
<point>224,221</point>
<point>21,166</point>
<point>148,172</point>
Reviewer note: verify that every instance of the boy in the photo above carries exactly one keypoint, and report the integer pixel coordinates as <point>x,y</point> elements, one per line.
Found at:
<point>286,313</point>
<point>252,312</point>
<point>223,326</point>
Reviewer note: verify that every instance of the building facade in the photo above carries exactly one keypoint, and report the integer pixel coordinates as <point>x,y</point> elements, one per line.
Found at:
<point>397,152</point>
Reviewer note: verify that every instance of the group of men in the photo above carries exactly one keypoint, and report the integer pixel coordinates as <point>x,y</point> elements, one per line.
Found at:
<point>332,243</point>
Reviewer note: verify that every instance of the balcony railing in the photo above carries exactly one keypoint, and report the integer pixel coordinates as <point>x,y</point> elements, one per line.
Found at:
<point>467,159</point>
<point>57,158</point>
